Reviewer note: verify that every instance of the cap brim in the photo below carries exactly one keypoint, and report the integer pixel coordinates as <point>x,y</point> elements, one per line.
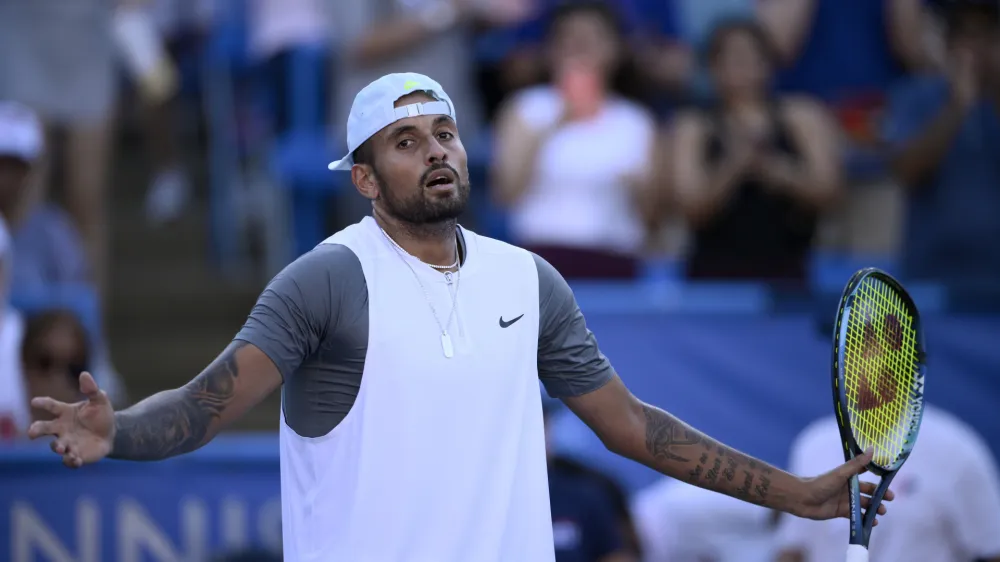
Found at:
<point>344,163</point>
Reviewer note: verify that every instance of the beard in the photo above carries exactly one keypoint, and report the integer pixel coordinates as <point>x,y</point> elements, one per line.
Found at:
<point>422,208</point>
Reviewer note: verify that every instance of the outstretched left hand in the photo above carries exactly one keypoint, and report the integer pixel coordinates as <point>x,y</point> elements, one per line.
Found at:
<point>828,496</point>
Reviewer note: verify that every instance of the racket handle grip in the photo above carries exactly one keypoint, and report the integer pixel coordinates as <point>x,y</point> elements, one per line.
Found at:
<point>857,553</point>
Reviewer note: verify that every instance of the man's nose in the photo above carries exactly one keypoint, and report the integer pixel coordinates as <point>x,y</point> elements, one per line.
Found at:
<point>436,153</point>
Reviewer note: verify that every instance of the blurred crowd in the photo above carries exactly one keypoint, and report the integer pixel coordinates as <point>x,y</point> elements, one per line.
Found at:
<point>736,139</point>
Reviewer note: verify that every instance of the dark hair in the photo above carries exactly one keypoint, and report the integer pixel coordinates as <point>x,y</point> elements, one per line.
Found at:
<point>600,8</point>
<point>625,79</point>
<point>364,154</point>
<point>946,6</point>
<point>609,486</point>
<point>39,325</point>
<point>728,27</point>
<point>951,13</point>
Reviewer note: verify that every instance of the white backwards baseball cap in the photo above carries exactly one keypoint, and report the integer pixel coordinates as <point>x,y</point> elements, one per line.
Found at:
<point>374,108</point>
<point>21,133</point>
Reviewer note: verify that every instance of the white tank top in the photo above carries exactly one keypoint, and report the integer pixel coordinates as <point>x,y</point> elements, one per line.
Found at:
<point>439,459</point>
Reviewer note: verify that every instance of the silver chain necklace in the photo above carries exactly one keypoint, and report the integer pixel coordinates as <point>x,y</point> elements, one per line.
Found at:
<point>456,278</point>
<point>400,249</point>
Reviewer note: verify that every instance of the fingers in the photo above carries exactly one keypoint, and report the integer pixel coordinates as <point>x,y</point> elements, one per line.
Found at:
<point>69,456</point>
<point>89,388</point>
<point>52,406</point>
<point>859,464</point>
<point>869,488</point>
<point>866,502</point>
<point>72,461</point>
<point>59,445</point>
<point>40,428</point>
<point>866,458</point>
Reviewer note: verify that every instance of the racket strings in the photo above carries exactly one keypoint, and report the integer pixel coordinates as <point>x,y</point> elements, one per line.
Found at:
<point>880,363</point>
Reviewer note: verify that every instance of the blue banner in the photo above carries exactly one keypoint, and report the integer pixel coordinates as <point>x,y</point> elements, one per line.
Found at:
<point>223,498</point>
<point>753,381</point>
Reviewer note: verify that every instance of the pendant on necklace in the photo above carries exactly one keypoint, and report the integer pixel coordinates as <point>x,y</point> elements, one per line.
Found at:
<point>449,351</point>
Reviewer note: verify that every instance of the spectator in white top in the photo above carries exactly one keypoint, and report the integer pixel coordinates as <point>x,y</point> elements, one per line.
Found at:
<point>574,157</point>
<point>278,25</point>
<point>14,415</point>
<point>681,523</point>
<point>410,351</point>
<point>947,499</point>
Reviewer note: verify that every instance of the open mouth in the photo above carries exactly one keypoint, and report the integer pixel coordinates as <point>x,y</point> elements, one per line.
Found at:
<point>441,179</point>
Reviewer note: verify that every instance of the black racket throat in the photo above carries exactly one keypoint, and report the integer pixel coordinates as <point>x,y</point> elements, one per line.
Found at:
<point>863,520</point>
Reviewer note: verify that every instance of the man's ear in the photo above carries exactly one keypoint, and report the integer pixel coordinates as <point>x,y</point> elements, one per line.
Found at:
<point>365,181</point>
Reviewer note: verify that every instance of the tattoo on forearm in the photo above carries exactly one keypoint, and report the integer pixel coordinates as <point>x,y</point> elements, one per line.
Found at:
<point>744,490</point>
<point>763,487</point>
<point>665,435</point>
<point>177,421</point>
<point>713,473</point>
<point>671,442</point>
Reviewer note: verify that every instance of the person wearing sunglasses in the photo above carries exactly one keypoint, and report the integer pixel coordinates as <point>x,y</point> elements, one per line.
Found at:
<point>54,354</point>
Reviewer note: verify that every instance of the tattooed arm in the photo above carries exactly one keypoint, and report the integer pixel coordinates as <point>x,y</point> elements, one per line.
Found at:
<point>167,424</point>
<point>294,314</point>
<point>662,442</point>
<point>572,368</point>
<point>666,444</point>
<point>179,421</point>
<point>297,310</point>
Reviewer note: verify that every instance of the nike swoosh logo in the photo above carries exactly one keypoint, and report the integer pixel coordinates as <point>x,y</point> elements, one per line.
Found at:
<point>507,324</point>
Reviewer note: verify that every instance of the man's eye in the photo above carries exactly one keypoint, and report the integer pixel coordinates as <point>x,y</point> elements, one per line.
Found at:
<point>405,143</point>
<point>445,135</point>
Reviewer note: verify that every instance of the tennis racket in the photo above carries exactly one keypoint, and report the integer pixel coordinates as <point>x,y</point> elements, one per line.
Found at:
<point>878,386</point>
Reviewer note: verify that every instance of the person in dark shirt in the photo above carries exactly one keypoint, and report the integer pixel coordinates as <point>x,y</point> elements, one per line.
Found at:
<point>588,525</point>
<point>753,172</point>
<point>943,132</point>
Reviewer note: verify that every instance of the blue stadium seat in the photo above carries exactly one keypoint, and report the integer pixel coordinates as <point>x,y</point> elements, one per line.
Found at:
<point>666,269</point>
<point>227,41</point>
<point>830,270</point>
<point>490,220</point>
<point>225,60</point>
<point>81,300</point>
<point>299,162</point>
<point>299,156</point>
<point>299,159</point>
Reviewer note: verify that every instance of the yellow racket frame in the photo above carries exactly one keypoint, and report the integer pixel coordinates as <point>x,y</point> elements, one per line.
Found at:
<point>878,369</point>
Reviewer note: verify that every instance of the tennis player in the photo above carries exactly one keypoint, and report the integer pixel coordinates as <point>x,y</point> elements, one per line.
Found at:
<point>948,499</point>
<point>409,350</point>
